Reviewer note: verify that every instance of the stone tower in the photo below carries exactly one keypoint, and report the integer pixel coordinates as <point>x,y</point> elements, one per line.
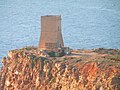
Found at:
<point>51,36</point>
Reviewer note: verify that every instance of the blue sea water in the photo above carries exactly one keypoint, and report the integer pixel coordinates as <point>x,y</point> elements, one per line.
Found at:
<point>86,24</point>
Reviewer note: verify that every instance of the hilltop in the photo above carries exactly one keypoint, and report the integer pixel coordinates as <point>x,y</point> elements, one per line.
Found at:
<point>30,69</point>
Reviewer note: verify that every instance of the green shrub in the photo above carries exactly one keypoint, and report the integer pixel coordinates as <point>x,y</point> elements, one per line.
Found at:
<point>53,80</point>
<point>52,54</point>
<point>32,64</point>
<point>115,57</point>
<point>16,61</point>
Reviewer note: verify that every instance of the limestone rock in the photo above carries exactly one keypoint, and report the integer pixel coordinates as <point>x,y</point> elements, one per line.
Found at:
<point>25,69</point>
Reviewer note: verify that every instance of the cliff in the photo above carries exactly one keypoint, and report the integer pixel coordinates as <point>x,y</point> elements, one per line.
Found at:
<point>27,69</point>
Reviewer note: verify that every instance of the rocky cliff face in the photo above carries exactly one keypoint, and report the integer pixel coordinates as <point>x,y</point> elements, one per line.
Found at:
<point>26,69</point>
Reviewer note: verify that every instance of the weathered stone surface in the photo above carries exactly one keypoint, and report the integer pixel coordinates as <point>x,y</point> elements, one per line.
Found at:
<point>25,70</point>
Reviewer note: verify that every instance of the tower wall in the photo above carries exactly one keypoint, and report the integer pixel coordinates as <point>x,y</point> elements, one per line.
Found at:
<point>51,36</point>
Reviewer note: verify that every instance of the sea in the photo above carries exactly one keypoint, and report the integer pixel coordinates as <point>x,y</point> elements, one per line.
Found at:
<point>86,24</point>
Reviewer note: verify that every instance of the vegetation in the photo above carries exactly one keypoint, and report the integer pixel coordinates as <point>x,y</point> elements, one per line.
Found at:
<point>56,53</point>
<point>107,51</point>
<point>16,61</point>
<point>115,57</point>
<point>53,80</point>
<point>52,54</point>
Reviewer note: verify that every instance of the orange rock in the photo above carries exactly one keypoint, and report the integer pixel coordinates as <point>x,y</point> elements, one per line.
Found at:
<point>90,69</point>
